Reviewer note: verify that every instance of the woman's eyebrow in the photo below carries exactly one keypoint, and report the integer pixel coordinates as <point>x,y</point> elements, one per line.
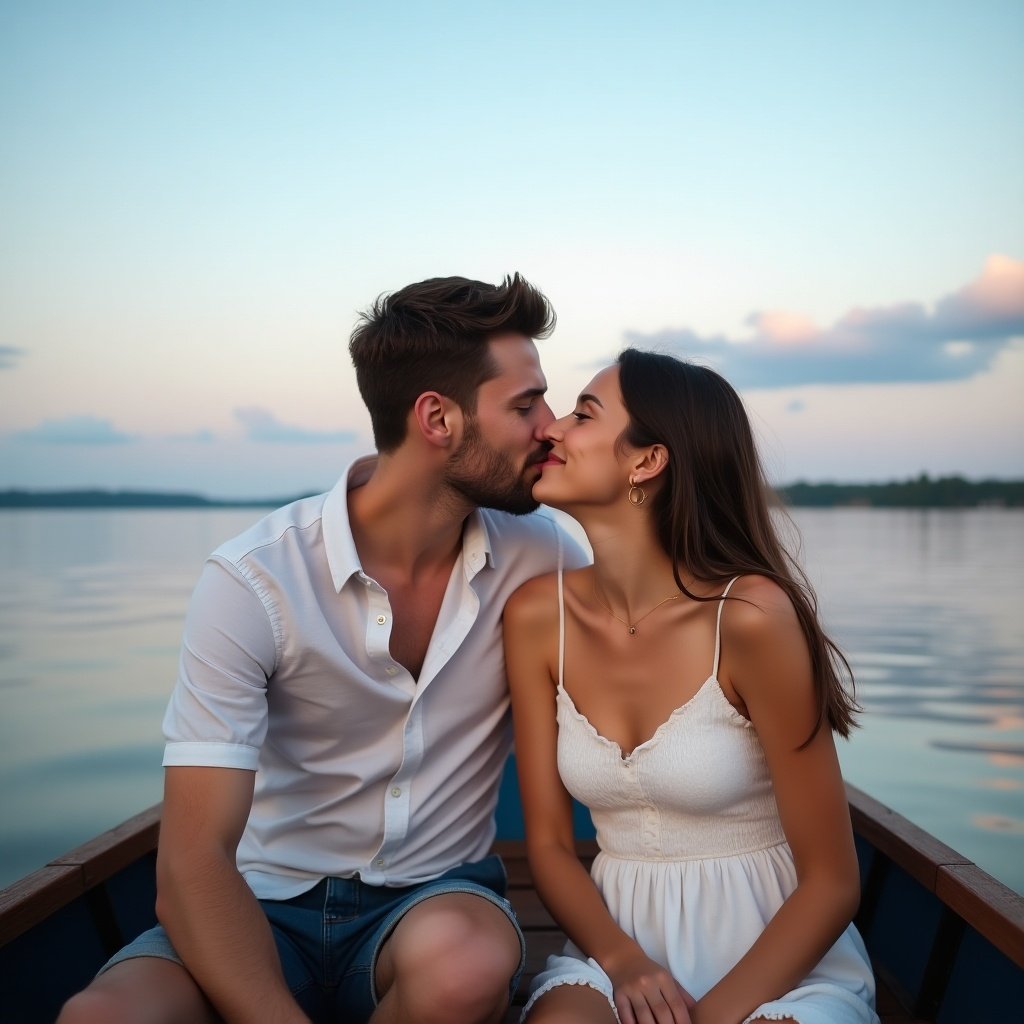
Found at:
<point>585,397</point>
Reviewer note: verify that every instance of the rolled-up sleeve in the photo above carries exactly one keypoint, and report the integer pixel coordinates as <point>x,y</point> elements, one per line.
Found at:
<point>217,715</point>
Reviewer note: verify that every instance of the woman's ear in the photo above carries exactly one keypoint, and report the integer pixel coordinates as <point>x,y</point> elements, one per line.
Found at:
<point>437,419</point>
<point>650,463</point>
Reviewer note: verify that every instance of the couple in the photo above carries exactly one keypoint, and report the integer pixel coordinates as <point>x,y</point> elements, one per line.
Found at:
<point>340,720</point>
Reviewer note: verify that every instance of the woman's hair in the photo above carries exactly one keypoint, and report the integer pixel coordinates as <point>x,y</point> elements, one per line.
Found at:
<point>712,515</point>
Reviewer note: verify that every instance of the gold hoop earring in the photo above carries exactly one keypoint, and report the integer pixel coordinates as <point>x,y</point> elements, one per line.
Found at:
<point>637,495</point>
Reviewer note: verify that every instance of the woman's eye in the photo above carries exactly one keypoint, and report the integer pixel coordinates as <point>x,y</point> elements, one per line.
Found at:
<point>579,416</point>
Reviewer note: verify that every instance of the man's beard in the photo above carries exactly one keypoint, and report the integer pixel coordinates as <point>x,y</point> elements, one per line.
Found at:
<point>489,478</point>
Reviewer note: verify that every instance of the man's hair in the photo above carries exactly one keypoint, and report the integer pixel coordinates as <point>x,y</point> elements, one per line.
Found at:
<point>432,336</point>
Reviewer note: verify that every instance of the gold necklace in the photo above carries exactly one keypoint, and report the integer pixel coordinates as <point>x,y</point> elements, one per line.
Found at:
<point>631,626</point>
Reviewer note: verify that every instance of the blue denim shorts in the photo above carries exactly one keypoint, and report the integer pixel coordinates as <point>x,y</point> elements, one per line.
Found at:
<point>329,938</point>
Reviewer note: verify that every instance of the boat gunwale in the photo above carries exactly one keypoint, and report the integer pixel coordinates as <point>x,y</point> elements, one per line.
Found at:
<point>987,905</point>
<point>34,897</point>
<point>991,908</point>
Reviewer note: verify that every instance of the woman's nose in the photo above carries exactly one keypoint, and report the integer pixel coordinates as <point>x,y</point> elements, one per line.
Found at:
<point>555,429</point>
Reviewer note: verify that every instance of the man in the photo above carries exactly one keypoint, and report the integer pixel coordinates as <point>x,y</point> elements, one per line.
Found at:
<point>340,720</point>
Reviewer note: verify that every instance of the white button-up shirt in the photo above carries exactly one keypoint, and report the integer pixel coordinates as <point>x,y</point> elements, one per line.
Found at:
<point>286,670</point>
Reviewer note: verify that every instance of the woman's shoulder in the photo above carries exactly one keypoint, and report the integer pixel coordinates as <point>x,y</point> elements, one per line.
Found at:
<point>758,606</point>
<point>536,600</point>
<point>532,600</point>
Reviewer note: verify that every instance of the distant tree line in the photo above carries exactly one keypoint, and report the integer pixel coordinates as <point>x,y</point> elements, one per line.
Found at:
<point>96,498</point>
<point>920,492</point>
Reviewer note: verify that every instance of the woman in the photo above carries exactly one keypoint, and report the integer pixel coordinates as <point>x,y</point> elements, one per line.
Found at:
<point>727,876</point>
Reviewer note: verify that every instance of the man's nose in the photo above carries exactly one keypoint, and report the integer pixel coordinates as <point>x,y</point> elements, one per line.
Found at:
<point>545,417</point>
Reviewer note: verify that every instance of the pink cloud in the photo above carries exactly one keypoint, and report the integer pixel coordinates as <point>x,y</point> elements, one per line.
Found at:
<point>956,338</point>
<point>995,298</point>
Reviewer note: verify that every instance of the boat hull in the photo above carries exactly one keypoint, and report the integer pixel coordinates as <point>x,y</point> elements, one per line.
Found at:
<point>945,938</point>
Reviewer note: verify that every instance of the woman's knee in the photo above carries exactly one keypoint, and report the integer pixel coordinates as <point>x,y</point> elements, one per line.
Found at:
<point>572,1004</point>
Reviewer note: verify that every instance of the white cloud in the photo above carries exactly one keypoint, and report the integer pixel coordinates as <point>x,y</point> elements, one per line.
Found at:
<point>88,430</point>
<point>262,425</point>
<point>9,356</point>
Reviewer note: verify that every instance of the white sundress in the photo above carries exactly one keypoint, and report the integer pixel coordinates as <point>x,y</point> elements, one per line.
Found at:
<point>693,862</point>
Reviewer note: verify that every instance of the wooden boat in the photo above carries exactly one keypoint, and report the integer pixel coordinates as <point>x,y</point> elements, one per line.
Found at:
<point>946,939</point>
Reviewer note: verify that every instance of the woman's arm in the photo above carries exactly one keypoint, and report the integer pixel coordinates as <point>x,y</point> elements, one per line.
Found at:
<point>567,890</point>
<point>766,662</point>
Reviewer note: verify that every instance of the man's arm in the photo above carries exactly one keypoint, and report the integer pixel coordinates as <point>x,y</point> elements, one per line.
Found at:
<point>208,910</point>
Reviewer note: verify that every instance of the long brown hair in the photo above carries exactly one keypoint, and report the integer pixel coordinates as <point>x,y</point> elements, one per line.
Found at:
<point>713,514</point>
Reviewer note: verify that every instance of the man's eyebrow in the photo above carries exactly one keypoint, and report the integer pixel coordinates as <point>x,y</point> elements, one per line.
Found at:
<point>586,397</point>
<point>529,393</point>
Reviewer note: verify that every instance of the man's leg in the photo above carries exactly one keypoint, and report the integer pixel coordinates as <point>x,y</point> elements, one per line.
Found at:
<point>450,958</point>
<point>144,990</point>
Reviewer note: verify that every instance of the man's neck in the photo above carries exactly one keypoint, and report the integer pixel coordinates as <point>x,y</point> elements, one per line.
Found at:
<point>408,533</point>
<point>404,522</point>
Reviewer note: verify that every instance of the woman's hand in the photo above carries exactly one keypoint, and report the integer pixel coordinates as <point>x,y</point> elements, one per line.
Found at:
<point>646,993</point>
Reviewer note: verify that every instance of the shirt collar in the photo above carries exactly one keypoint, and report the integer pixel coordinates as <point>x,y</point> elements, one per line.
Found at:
<point>477,550</point>
<point>342,557</point>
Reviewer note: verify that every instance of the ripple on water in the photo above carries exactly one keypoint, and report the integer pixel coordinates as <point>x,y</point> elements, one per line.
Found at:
<point>1013,751</point>
<point>999,823</point>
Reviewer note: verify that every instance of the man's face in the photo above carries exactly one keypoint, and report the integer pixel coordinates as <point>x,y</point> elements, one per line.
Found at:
<point>498,461</point>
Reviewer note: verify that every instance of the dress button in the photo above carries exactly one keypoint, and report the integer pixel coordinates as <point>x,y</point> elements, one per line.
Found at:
<point>395,791</point>
<point>379,862</point>
<point>381,619</point>
<point>391,670</point>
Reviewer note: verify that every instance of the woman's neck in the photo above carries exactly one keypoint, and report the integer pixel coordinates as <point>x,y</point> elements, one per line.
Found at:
<point>632,571</point>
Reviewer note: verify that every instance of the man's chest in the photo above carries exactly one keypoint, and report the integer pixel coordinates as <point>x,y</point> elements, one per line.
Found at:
<point>414,620</point>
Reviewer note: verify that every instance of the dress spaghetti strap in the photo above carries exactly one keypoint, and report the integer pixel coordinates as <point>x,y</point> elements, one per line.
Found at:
<point>718,625</point>
<point>561,628</point>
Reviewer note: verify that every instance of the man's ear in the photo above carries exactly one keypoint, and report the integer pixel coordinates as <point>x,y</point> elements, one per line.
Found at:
<point>650,463</point>
<point>437,419</point>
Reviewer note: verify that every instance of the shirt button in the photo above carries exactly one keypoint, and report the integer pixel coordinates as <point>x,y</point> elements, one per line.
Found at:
<point>379,862</point>
<point>395,791</point>
<point>381,619</point>
<point>391,670</point>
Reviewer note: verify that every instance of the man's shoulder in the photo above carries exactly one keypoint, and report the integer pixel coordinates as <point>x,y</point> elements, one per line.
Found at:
<point>273,528</point>
<point>540,532</point>
<point>505,528</point>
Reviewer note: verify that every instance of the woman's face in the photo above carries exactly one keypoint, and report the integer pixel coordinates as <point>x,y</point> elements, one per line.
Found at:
<point>587,462</point>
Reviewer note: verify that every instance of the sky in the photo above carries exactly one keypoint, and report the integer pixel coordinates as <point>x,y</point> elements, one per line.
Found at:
<point>823,200</point>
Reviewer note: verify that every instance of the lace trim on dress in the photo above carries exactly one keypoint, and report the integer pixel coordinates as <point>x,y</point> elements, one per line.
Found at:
<point>558,983</point>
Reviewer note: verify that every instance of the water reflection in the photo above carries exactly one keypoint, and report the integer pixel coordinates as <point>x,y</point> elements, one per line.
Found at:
<point>927,604</point>
<point>90,619</point>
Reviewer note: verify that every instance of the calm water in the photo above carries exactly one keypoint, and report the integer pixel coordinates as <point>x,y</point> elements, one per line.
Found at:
<point>927,603</point>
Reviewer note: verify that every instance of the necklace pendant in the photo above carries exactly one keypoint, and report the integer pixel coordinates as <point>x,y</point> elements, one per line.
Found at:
<point>632,630</point>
